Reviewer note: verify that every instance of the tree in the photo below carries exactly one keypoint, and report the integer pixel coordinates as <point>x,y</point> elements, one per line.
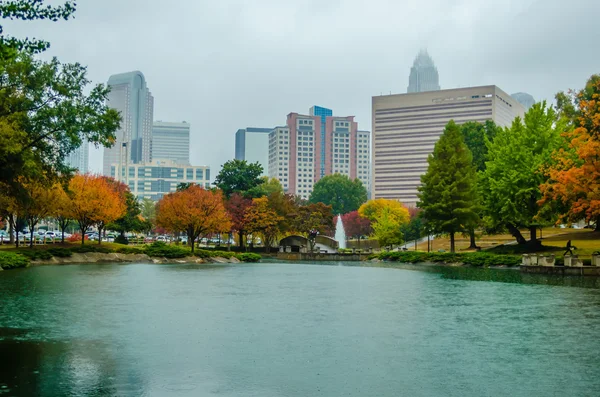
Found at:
<point>94,201</point>
<point>62,209</point>
<point>374,209</point>
<point>238,176</point>
<point>313,219</point>
<point>196,211</point>
<point>236,207</point>
<point>356,226</point>
<point>448,195</point>
<point>475,136</point>
<point>343,194</point>
<point>260,218</point>
<point>30,10</point>
<point>574,176</point>
<point>45,114</point>
<point>37,205</point>
<point>511,182</point>
<point>132,219</point>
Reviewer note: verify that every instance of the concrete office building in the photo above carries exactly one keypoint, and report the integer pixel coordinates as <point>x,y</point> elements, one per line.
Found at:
<point>297,150</point>
<point>155,179</point>
<point>407,126</point>
<point>423,74</point>
<point>132,98</point>
<point>171,141</point>
<point>79,158</point>
<point>252,145</point>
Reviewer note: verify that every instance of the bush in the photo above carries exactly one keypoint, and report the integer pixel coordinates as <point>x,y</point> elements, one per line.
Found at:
<point>121,240</point>
<point>345,250</point>
<point>10,260</point>
<point>75,238</point>
<point>249,257</point>
<point>476,259</point>
<point>162,250</point>
<point>83,249</point>
<point>60,252</point>
<point>35,255</point>
<point>129,250</point>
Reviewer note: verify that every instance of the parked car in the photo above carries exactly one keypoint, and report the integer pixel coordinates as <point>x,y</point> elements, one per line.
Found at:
<point>163,239</point>
<point>50,235</point>
<point>148,239</point>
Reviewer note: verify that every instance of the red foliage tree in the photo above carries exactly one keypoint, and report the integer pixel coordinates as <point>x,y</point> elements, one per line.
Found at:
<point>236,207</point>
<point>356,226</point>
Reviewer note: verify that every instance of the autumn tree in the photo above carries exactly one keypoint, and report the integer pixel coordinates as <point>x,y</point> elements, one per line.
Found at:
<point>510,184</point>
<point>61,210</point>
<point>94,201</point>
<point>37,205</point>
<point>448,191</point>
<point>574,176</point>
<point>387,218</point>
<point>196,211</point>
<point>313,218</point>
<point>262,219</point>
<point>356,226</point>
<point>236,207</point>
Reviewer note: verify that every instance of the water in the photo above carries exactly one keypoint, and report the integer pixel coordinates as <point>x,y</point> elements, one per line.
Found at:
<point>340,233</point>
<point>295,330</point>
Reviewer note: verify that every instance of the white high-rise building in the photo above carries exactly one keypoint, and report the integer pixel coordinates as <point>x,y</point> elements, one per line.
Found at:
<point>79,158</point>
<point>279,154</point>
<point>407,126</point>
<point>171,141</point>
<point>252,145</point>
<point>132,98</point>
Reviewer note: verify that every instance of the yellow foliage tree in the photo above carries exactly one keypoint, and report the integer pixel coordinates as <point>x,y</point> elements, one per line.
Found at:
<point>260,218</point>
<point>387,217</point>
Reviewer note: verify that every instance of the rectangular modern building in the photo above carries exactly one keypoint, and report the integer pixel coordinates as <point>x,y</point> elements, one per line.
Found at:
<point>155,179</point>
<point>132,98</point>
<point>252,145</point>
<point>299,149</point>
<point>79,158</point>
<point>171,141</point>
<point>407,126</point>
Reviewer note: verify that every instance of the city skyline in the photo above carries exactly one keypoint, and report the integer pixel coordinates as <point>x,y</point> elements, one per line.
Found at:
<point>248,57</point>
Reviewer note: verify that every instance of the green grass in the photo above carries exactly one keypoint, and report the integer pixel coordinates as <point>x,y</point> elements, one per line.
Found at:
<point>475,259</point>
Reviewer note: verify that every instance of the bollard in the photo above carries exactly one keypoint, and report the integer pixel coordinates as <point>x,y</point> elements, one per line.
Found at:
<point>596,259</point>
<point>546,260</point>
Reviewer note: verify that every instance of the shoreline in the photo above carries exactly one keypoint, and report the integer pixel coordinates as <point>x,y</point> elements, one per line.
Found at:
<point>98,257</point>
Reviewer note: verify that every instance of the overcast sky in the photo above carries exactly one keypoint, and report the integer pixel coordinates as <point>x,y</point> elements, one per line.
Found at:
<point>228,64</point>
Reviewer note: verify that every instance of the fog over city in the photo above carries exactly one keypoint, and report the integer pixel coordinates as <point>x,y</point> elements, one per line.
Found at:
<point>223,65</point>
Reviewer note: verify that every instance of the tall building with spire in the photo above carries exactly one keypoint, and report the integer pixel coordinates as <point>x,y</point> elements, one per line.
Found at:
<point>130,95</point>
<point>423,74</point>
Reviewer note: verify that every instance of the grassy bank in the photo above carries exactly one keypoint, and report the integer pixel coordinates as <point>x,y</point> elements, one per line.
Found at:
<point>475,259</point>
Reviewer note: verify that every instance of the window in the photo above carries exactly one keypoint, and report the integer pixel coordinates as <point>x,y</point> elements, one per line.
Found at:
<point>199,174</point>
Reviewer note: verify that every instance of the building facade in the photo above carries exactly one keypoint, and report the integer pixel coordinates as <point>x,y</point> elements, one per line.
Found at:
<point>171,141</point>
<point>80,157</point>
<point>323,113</point>
<point>297,151</point>
<point>252,145</point>
<point>131,97</point>
<point>423,74</point>
<point>407,126</point>
<point>155,179</point>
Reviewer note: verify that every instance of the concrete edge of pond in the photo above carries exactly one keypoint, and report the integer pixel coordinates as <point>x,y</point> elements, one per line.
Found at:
<point>98,257</point>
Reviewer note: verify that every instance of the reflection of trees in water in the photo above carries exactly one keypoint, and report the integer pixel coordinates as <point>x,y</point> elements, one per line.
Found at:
<point>76,368</point>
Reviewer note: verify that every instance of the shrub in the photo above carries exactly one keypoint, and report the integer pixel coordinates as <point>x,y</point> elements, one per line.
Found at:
<point>476,259</point>
<point>83,249</point>
<point>129,250</point>
<point>60,252</point>
<point>10,260</point>
<point>35,255</point>
<point>121,240</point>
<point>248,257</point>
<point>75,238</point>
<point>162,250</point>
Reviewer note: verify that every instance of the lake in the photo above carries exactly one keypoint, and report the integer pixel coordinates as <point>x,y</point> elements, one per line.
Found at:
<point>273,329</point>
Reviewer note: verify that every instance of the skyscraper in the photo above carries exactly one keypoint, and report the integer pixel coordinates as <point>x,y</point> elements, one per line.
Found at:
<point>297,150</point>
<point>252,145</point>
<point>524,99</point>
<point>171,141</point>
<point>323,113</point>
<point>407,126</point>
<point>423,74</point>
<point>132,98</point>
<point>79,158</point>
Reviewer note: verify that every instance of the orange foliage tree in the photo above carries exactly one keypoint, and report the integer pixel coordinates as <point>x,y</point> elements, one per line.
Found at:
<point>61,210</point>
<point>261,218</point>
<point>94,201</point>
<point>194,210</point>
<point>574,178</point>
<point>37,204</point>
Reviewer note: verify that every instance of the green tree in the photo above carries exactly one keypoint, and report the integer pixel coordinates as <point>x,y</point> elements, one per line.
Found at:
<point>340,192</point>
<point>148,212</point>
<point>45,114</point>
<point>132,220</point>
<point>475,136</point>
<point>387,230</point>
<point>448,195</point>
<point>28,10</point>
<point>266,187</point>
<point>238,176</point>
<point>511,181</point>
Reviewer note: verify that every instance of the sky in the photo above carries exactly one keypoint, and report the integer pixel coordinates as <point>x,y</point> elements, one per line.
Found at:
<point>222,65</point>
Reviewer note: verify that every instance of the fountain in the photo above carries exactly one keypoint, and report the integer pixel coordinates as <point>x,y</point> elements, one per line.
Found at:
<point>340,234</point>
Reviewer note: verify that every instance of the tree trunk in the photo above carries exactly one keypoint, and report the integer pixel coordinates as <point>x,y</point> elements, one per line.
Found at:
<point>62,238</point>
<point>31,235</point>
<point>99,235</point>
<point>83,235</point>
<point>193,240</point>
<point>359,242</point>
<point>516,233</point>
<point>415,245</point>
<point>452,247</point>
<point>473,244</point>
<point>533,235</point>
<point>11,230</point>
<point>596,229</point>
